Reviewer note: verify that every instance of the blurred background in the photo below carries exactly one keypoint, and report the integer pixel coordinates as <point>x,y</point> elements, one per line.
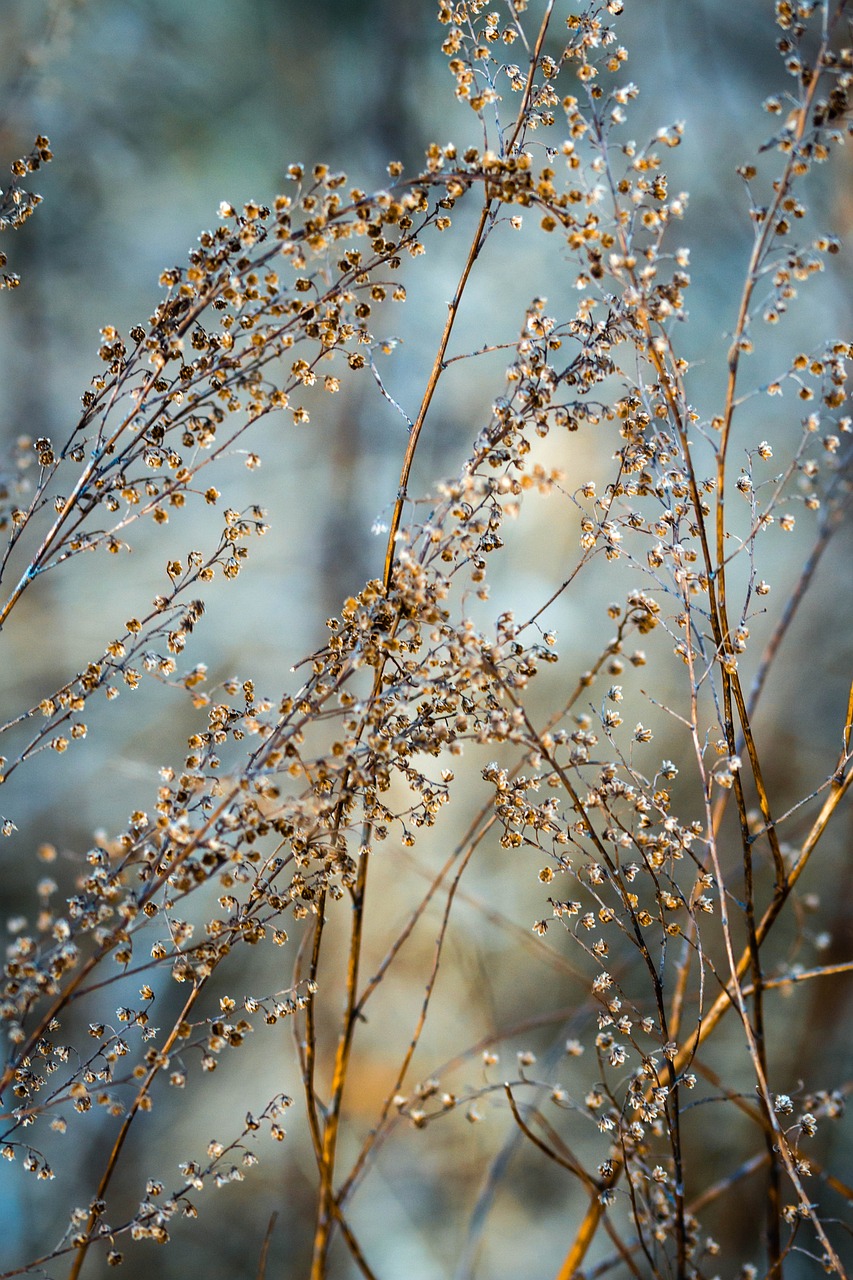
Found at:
<point>156,112</point>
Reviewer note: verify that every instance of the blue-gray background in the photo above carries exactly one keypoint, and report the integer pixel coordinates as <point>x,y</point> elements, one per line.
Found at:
<point>156,111</point>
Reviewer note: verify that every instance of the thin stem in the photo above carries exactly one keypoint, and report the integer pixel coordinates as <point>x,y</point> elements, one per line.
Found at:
<point>265,1248</point>
<point>325,1210</point>
<point>142,1093</point>
<point>432,383</point>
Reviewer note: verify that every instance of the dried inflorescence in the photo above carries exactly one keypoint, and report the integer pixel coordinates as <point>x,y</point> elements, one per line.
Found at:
<point>668,876</point>
<point>17,204</point>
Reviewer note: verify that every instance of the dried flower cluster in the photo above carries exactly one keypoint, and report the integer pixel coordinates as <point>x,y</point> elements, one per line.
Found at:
<point>668,875</point>
<point>16,204</point>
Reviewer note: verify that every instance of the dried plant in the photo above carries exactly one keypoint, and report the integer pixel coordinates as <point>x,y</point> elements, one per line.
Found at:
<point>666,882</point>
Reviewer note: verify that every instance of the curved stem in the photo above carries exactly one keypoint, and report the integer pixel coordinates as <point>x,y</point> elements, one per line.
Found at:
<point>432,383</point>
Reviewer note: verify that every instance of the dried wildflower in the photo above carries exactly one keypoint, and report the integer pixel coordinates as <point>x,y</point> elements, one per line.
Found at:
<point>281,803</point>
